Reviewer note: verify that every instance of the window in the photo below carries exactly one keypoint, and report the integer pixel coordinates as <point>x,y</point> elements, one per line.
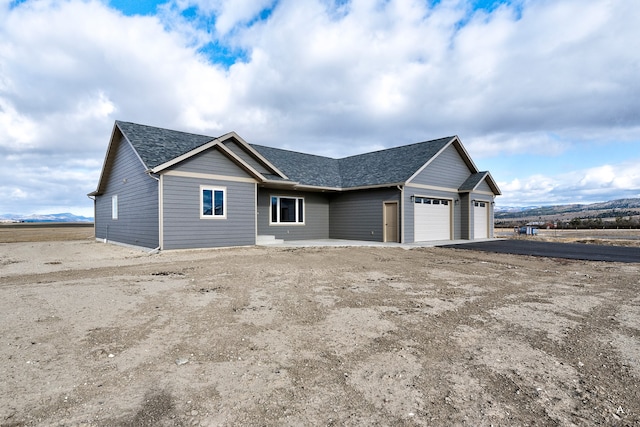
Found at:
<point>114,207</point>
<point>286,210</point>
<point>213,202</point>
<point>479,204</point>
<point>428,201</point>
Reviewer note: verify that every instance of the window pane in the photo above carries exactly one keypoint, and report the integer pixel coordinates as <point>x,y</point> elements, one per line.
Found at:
<point>218,202</point>
<point>207,202</point>
<point>300,210</point>
<point>274,209</point>
<point>287,210</point>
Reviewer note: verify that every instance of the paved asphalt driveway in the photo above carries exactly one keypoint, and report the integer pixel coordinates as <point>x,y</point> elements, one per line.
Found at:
<point>555,250</point>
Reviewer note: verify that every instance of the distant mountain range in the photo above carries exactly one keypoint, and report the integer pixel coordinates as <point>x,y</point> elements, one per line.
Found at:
<point>611,209</point>
<point>60,217</point>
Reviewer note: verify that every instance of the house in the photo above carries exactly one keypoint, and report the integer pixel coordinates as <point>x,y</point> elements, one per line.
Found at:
<point>166,189</point>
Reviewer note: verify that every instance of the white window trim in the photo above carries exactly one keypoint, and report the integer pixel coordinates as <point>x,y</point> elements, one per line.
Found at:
<point>224,202</point>
<point>114,206</point>
<point>278,223</point>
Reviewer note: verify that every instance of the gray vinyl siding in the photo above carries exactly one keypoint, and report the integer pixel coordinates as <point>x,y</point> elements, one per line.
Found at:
<point>316,216</point>
<point>182,226</point>
<point>484,187</point>
<point>137,222</point>
<point>211,162</point>
<point>409,215</point>
<point>248,158</point>
<point>447,170</point>
<point>358,215</point>
<point>466,217</point>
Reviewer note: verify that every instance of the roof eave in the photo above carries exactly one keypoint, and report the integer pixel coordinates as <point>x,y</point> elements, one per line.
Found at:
<point>108,158</point>
<point>255,153</point>
<point>486,175</point>
<point>218,144</point>
<point>428,162</point>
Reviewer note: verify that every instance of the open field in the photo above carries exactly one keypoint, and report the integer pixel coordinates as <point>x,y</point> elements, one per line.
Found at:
<point>44,232</point>
<point>619,237</point>
<point>101,335</point>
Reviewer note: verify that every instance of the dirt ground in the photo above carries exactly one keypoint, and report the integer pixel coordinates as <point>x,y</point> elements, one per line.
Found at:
<point>101,335</point>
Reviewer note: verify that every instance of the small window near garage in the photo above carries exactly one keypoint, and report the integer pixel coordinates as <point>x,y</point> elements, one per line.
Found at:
<point>213,202</point>
<point>287,210</point>
<point>114,207</point>
<point>479,204</point>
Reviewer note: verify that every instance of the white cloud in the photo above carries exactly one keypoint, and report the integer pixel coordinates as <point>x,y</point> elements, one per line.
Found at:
<point>602,183</point>
<point>332,78</point>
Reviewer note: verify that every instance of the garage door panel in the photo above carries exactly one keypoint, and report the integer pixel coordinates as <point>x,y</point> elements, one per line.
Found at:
<point>432,219</point>
<point>480,220</point>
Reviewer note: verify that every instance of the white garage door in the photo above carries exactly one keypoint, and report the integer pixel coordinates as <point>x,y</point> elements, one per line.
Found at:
<point>480,220</point>
<point>432,219</point>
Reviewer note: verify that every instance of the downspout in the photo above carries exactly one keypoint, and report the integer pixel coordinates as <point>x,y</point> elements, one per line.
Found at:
<point>160,219</point>
<point>401,188</point>
<point>94,214</point>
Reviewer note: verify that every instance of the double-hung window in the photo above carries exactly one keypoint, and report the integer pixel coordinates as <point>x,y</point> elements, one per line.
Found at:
<point>287,210</point>
<point>213,202</point>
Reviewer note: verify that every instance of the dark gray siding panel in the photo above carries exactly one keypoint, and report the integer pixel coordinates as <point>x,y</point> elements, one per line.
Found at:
<point>357,215</point>
<point>137,222</point>
<point>210,162</point>
<point>458,226</point>
<point>248,158</point>
<point>466,217</point>
<point>448,170</point>
<point>183,227</point>
<point>316,216</point>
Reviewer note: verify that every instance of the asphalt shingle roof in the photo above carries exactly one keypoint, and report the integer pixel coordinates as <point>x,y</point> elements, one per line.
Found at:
<point>156,146</point>
<point>390,166</point>
<point>306,169</point>
<point>470,183</point>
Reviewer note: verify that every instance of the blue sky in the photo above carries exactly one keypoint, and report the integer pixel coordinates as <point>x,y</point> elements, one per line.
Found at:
<point>543,93</point>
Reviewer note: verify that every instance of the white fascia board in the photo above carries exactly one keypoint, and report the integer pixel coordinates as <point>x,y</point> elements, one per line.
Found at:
<point>461,150</point>
<point>108,158</point>
<point>416,173</point>
<point>216,143</point>
<point>466,157</point>
<point>490,181</point>
<point>493,184</point>
<point>185,156</point>
<point>240,162</point>
<point>297,186</point>
<point>253,152</point>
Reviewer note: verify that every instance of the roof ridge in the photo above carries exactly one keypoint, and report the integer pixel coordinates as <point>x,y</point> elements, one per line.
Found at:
<point>399,147</point>
<point>292,151</point>
<point>355,155</point>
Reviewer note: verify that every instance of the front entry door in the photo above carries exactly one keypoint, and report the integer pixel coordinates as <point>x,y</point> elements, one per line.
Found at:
<point>390,218</point>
